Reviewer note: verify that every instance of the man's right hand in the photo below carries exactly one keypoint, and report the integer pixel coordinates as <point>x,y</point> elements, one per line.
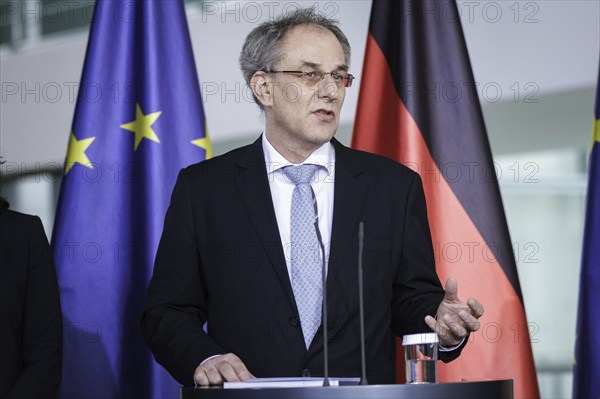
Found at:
<point>220,369</point>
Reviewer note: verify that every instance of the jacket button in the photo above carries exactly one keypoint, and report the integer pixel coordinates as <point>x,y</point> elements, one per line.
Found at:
<point>294,321</point>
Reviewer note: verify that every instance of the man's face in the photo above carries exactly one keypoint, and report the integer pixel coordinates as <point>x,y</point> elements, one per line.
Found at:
<point>304,115</point>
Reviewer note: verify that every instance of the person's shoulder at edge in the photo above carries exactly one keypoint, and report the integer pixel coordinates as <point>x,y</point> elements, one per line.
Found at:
<point>18,221</point>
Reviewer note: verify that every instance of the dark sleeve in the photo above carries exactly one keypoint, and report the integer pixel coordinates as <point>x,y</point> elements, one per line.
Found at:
<point>177,303</point>
<point>42,323</point>
<point>417,291</point>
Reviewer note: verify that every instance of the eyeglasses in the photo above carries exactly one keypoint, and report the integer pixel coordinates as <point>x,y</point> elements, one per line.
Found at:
<point>312,77</point>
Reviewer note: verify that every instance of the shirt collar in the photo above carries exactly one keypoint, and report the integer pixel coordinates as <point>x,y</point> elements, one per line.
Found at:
<point>322,156</point>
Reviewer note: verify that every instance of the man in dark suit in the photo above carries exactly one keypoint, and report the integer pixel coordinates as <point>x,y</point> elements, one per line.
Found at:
<point>229,254</point>
<point>30,314</point>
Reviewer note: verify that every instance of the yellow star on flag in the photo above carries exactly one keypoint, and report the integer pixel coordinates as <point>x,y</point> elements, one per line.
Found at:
<point>204,143</point>
<point>142,126</point>
<point>596,131</point>
<point>76,152</point>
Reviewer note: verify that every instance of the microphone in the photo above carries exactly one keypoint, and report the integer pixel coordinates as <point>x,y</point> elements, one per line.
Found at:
<point>363,362</point>
<point>324,283</point>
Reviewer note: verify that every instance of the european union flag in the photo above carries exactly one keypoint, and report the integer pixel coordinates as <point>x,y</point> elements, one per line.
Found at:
<point>586,383</point>
<point>138,120</point>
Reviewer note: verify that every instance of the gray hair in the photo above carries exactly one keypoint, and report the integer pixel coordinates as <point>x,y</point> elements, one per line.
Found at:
<point>263,48</point>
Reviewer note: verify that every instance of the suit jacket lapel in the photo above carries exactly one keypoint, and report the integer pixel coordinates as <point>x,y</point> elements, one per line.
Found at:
<point>348,199</point>
<point>349,194</point>
<point>253,184</point>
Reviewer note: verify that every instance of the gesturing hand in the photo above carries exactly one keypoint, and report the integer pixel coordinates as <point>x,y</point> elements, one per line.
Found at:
<point>455,319</point>
<point>222,368</point>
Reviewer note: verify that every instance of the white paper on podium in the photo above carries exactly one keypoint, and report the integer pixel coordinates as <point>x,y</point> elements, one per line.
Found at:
<point>289,382</point>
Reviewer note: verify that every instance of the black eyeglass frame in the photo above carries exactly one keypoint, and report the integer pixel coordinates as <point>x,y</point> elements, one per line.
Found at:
<point>347,79</point>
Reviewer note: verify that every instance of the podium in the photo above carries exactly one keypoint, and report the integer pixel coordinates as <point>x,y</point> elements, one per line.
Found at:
<point>501,389</point>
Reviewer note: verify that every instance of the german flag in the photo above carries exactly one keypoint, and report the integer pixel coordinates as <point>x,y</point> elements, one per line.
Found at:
<point>418,105</point>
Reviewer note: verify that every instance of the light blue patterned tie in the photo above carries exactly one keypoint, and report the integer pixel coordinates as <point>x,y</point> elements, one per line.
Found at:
<point>306,260</point>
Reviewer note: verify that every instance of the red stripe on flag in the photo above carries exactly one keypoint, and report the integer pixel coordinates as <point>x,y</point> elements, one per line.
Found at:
<point>501,348</point>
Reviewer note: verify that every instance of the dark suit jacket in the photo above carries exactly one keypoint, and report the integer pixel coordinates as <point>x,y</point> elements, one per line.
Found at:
<point>30,315</point>
<point>220,260</point>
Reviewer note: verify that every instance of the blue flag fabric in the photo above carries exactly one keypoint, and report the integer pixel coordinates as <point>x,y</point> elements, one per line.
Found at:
<point>138,121</point>
<point>586,371</point>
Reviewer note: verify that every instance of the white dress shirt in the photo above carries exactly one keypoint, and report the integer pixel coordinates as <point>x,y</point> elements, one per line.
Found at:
<point>282,188</point>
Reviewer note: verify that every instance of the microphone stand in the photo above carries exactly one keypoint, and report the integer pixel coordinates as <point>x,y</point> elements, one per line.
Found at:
<point>363,362</point>
<point>324,283</point>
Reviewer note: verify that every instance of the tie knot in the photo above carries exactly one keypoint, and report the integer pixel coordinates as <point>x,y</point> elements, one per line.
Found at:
<point>300,174</point>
